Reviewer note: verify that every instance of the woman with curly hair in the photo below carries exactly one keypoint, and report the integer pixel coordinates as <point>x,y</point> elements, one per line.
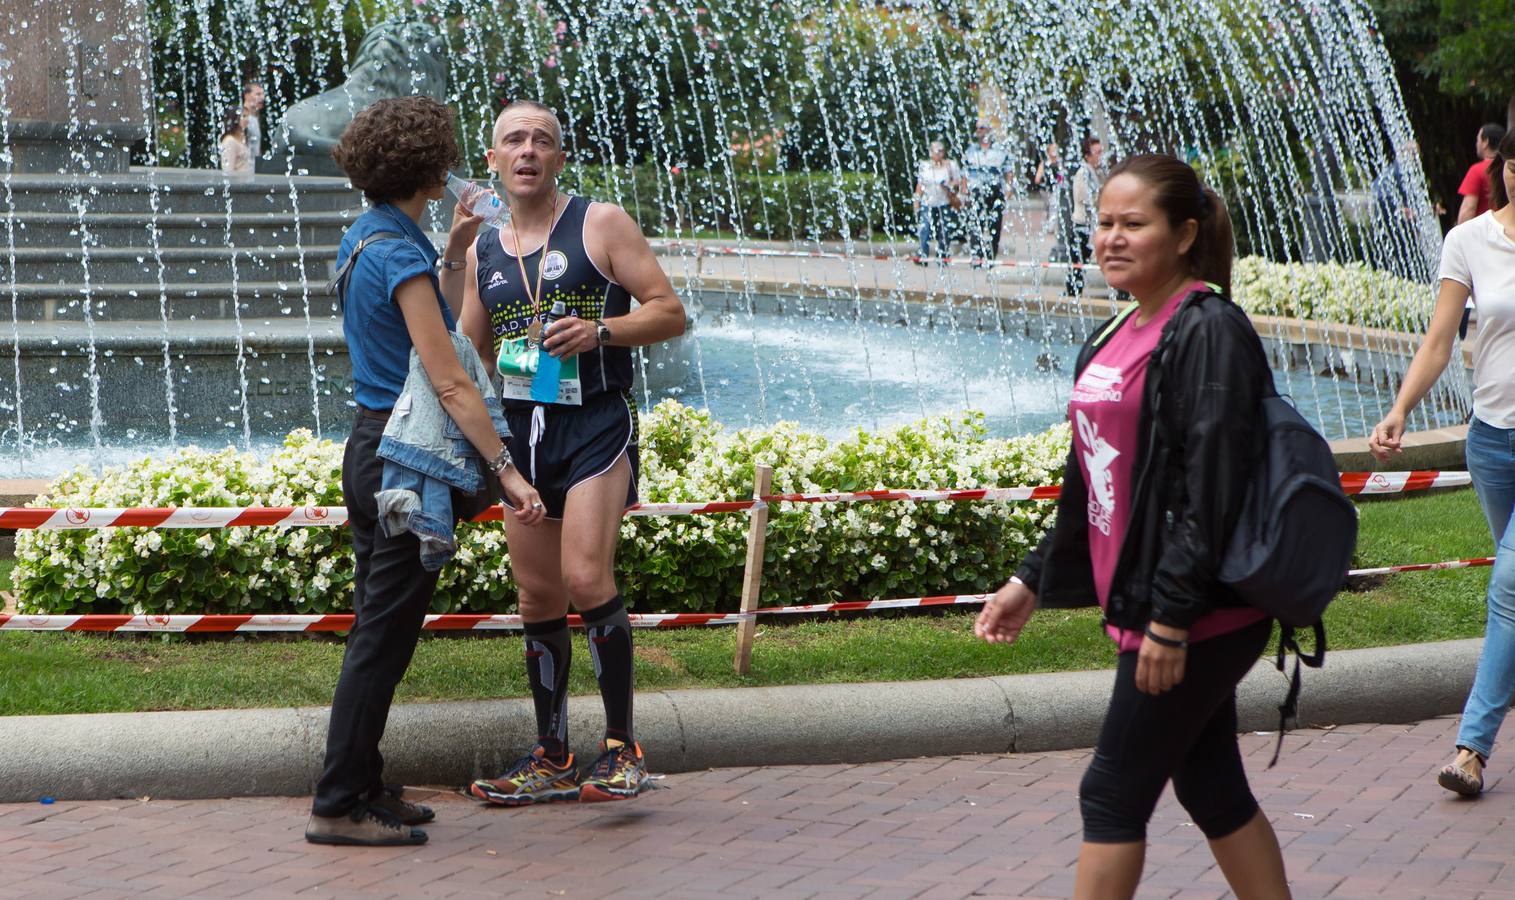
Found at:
<point>398,152</point>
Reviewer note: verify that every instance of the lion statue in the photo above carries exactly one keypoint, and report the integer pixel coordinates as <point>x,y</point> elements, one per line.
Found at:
<point>396,59</point>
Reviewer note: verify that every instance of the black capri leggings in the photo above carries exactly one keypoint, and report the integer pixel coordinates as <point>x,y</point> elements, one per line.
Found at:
<point>1187,734</point>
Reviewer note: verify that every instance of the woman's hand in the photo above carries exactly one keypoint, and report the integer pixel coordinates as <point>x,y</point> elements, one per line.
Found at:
<point>1005,614</point>
<point>527,502</point>
<point>464,231</point>
<point>1386,437</point>
<point>1159,668</point>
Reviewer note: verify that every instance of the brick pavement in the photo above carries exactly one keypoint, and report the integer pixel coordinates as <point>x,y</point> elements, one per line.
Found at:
<point>1355,807</point>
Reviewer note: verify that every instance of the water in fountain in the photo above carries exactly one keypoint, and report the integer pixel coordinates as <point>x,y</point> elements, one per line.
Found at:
<point>762,126</point>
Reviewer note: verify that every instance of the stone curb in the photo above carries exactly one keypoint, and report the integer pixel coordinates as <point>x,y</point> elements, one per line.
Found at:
<point>278,751</point>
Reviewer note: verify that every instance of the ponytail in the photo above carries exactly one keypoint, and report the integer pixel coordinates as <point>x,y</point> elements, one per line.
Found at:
<point>1214,248</point>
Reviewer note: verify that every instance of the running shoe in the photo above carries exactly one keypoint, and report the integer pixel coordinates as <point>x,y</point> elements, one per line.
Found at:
<point>535,779</point>
<point>619,774</point>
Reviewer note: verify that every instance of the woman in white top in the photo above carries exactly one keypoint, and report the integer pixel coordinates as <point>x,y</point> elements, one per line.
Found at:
<point>235,158</point>
<point>1478,261</point>
<point>939,185</point>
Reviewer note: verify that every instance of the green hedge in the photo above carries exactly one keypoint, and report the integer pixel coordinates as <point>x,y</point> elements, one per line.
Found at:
<point>780,206</point>
<point>688,563</point>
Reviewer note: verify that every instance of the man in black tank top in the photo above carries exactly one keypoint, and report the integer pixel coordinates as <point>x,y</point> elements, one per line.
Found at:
<point>580,450</point>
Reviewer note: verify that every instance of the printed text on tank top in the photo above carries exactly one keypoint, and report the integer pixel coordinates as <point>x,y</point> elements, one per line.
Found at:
<point>534,293</point>
<point>568,273</point>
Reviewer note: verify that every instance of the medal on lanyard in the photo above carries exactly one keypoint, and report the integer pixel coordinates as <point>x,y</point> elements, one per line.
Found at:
<point>534,330</point>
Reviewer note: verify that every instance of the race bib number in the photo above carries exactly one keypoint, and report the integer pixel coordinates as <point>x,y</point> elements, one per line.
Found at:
<point>518,366</point>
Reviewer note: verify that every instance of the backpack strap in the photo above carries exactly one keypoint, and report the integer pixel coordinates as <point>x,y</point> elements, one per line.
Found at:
<point>1288,642</point>
<point>338,284</point>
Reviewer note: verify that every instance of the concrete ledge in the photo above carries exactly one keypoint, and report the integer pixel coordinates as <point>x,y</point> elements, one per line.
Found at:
<point>278,751</point>
<point>1438,449</point>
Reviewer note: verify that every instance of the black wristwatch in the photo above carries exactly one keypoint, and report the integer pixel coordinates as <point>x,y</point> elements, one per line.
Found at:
<point>602,331</point>
<point>452,265</point>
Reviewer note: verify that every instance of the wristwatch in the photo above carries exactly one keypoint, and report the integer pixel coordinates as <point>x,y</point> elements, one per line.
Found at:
<point>501,461</point>
<point>455,265</point>
<point>602,331</point>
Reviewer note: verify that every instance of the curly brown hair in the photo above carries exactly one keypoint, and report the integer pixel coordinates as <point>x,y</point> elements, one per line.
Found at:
<point>398,146</point>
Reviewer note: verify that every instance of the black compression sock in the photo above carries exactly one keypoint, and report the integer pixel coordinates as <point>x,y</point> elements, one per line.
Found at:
<point>610,648</point>
<point>548,651</point>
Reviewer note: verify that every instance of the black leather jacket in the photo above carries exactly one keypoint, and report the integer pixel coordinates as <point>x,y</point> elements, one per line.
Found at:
<point>1200,427</point>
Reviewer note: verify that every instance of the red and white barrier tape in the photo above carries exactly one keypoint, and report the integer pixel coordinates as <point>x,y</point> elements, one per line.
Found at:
<point>1397,482</point>
<point>202,624</point>
<point>225,623</point>
<point>1044,492</point>
<point>1426,567</point>
<point>868,605</point>
<point>455,622</point>
<point>21,518</point>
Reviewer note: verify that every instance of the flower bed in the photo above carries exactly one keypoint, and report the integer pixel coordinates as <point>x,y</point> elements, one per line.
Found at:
<point>1340,293</point>
<point>815,553</point>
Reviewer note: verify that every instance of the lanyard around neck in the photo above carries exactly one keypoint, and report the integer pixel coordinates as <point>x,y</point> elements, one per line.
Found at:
<point>535,295</point>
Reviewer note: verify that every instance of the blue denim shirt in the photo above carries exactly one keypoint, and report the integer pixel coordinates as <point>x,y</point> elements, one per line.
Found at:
<point>426,456</point>
<point>377,342</point>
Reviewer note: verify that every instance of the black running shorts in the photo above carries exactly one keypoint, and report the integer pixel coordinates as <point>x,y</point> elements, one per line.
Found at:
<point>573,445</point>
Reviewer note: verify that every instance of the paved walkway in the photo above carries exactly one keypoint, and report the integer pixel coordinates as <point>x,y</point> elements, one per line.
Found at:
<point>1355,808</point>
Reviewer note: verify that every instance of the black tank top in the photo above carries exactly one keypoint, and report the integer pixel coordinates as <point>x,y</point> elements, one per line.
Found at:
<point>568,275</point>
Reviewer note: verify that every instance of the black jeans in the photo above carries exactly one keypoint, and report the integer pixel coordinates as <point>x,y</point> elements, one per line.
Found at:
<point>988,219</point>
<point>391,594</point>
<point>1187,734</point>
<point>1079,252</point>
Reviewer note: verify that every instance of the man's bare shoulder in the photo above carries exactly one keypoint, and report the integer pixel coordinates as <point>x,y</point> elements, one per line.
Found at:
<point>611,218</point>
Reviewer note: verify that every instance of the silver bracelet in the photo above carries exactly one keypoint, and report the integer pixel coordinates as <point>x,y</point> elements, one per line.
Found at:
<point>501,461</point>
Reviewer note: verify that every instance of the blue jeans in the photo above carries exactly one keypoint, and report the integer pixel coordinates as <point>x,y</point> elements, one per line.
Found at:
<point>1491,461</point>
<point>934,227</point>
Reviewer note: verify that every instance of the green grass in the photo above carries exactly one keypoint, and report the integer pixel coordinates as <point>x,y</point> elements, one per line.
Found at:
<point>71,673</point>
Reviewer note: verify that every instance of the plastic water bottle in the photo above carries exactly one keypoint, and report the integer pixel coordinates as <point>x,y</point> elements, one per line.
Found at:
<point>544,384</point>
<point>479,200</point>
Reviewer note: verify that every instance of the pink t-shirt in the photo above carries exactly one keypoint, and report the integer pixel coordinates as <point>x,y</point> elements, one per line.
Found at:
<point>1106,414</point>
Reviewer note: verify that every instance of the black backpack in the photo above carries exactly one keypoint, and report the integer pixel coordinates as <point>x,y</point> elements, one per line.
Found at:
<point>1294,539</point>
<point>1293,542</point>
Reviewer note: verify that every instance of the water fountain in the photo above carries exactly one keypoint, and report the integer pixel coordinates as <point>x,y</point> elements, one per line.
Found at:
<point>157,305</point>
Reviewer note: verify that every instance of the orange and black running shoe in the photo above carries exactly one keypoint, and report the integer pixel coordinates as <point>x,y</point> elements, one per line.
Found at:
<point>620,773</point>
<point>535,779</point>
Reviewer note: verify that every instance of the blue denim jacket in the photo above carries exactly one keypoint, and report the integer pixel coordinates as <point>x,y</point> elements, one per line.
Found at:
<point>426,456</point>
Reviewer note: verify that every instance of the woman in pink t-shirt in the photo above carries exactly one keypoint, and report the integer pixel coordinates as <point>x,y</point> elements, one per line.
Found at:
<point>1165,407</point>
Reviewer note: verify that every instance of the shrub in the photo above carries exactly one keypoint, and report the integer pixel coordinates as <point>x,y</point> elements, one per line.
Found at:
<point>1341,293</point>
<point>797,206</point>
<point>815,553</point>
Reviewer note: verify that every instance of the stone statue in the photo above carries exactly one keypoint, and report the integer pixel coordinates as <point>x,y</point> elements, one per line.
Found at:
<point>396,59</point>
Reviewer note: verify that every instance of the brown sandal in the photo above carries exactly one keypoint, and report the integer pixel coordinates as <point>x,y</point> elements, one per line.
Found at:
<point>1459,780</point>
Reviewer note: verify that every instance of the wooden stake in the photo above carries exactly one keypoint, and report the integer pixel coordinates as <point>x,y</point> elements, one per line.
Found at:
<point>752,573</point>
